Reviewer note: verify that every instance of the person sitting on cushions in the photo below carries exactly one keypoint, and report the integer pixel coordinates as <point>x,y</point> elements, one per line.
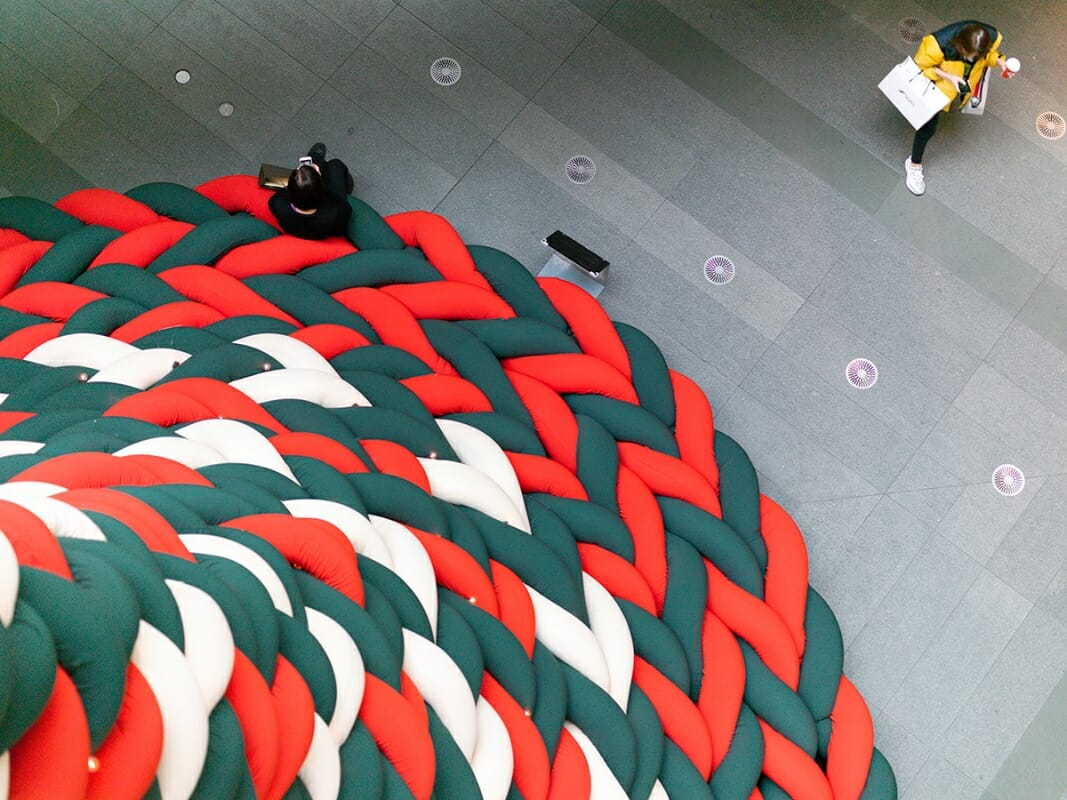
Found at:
<point>314,204</point>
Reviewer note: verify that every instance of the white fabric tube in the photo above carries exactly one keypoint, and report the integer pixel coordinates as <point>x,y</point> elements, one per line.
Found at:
<point>175,448</point>
<point>411,563</point>
<point>479,450</point>
<point>17,447</point>
<point>321,771</point>
<point>90,350</point>
<point>603,783</point>
<point>442,685</point>
<point>185,717</point>
<point>348,673</point>
<point>494,761</point>
<point>62,519</point>
<point>143,368</point>
<point>322,388</point>
<point>613,633</point>
<point>9,581</point>
<point>208,640</point>
<point>238,443</point>
<point>570,640</point>
<point>365,538</point>
<point>455,482</point>
<point>211,545</point>
<point>287,351</point>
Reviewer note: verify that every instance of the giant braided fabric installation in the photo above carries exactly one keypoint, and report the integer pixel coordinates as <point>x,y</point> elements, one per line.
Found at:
<point>381,516</point>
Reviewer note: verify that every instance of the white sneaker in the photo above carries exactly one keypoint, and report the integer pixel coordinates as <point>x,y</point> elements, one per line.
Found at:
<point>913,177</point>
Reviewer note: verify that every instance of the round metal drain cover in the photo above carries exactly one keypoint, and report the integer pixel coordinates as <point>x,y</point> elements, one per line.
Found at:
<point>861,373</point>
<point>1050,125</point>
<point>226,109</point>
<point>581,169</point>
<point>445,71</point>
<point>183,76</point>
<point>911,29</point>
<point>719,270</point>
<point>1008,479</point>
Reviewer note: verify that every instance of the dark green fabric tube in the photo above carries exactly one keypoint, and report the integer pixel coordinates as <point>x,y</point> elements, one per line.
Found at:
<point>127,282</point>
<point>31,676</point>
<point>739,494</point>
<point>591,523</point>
<point>37,219</point>
<point>453,776</point>
<point>456,638</point>
<point>716,541</point>
<point>593,710</point>
<point>212,239</point>
<point>520,336</point>
<point>739,771</point>
<point>503,654</point>
<point>598,463</point>
<point>684,604</point>
<point>626,422</point>
<point>304,652</point>
<point>177,202</point>
<point>509,433</point>
<point>776,704</point>
<point>380,657</point>
<point>550,710</point>
<point>657,644</point>
<point>820,670</point>
<point>225,766</point>
<point>70,256</point>
<point>513,282</point>
<point>382,359</point>
<point>407,606</point>
<point>310,305</point>
<point>370,268</point>
<point>650,743</point>
<point>679,777</point>
<point>651,377</point>
<point>361,766</point>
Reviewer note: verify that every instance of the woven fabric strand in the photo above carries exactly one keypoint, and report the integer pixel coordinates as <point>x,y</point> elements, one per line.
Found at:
<point>378,516</point>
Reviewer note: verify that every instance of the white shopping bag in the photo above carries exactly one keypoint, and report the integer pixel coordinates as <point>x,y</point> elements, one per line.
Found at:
<point>914,95</point>
<point>976,102</point>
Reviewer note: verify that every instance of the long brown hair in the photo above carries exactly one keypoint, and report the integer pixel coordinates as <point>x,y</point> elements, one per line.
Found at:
<point>972,41</point>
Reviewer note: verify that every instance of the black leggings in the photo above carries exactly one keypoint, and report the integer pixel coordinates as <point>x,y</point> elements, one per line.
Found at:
<point>922,136</point>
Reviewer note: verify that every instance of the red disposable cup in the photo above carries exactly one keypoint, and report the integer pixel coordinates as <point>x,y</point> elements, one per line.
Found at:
<point>1011,66</point>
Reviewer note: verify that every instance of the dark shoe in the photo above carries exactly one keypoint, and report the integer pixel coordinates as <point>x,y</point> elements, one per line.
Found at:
<point>318,151</point>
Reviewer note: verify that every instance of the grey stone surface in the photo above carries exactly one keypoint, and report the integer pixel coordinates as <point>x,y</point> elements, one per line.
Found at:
<point>717,129</point>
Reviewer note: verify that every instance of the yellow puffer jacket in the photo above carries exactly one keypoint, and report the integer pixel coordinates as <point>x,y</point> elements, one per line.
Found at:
<point>930,54</point>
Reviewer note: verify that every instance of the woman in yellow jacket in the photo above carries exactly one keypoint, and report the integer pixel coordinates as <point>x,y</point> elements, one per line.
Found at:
<point>955,58</point>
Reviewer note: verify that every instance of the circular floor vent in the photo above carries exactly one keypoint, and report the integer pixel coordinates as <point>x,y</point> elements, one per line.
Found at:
<point>1050,125</point>
<point>911,29</point>
<point>226,109</point>
<point>183,76</point>
<point>719,270</point>
<point>1008,479</point>
<point>581,169</point>
<point>861,373</point>
<point>445,71</point>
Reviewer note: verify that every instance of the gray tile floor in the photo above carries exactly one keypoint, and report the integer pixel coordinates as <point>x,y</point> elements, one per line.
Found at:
<point>751,129</point>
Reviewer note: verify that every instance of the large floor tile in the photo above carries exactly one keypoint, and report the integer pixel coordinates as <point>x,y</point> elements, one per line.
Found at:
<point>34,103</point>
<point>300,29</point>
<point>995,716</point>
<point>373,83</point>
<point>1018,418</point>
<point>791,459</point>
<point>868,565</point>
<point>827,413</point>
<point>115,27</point>
<point>547,145</point>
<point>479,94</point>
<point>1035,549</point>
<point>370,148</point>
<point>753,295</point>
<point>939,780</point>
<point>954,664</point>
<point>251,125</point>
<point>909,618</point>
<point>265,69</point>
<point>60,52</point>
